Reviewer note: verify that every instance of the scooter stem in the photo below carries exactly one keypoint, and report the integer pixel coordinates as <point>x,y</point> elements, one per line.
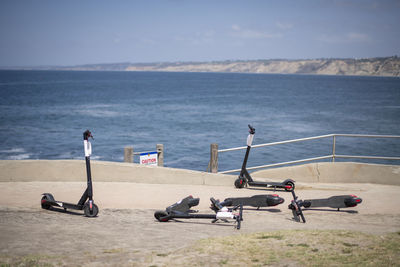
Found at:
<point>88,151</point>
<point>250,137</point>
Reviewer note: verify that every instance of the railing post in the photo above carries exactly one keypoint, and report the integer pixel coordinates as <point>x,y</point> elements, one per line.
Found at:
<point>128,154</point>
<point>334,148</point>
<point>160,154</point>
<point>214,158</point>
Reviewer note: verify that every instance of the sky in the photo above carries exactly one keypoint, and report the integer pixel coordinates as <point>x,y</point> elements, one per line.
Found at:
<point>76,32</point>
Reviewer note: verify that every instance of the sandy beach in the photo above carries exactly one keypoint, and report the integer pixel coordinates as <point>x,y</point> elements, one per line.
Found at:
<point>125,233</point>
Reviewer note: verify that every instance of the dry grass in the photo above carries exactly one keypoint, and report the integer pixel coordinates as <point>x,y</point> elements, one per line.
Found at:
<point>292,248</point>
<point>278,248</point>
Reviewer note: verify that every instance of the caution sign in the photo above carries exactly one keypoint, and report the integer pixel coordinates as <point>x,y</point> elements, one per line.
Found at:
<point>148,158</point>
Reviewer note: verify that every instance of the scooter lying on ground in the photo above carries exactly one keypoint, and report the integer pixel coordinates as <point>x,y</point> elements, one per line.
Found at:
<point>182,210</point>
<point>90,209</point>
<point>335,202</point>
<point>254,201</point>
<point>245,178</point>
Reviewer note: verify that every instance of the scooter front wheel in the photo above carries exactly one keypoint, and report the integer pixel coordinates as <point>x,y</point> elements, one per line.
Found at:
<point>161,216</point>
<point>291,184</point>
<point>44,204</point>
<point>240,183</point>
<point>91,213</point>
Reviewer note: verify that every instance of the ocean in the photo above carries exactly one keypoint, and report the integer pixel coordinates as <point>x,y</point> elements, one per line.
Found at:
<point>44,113</point>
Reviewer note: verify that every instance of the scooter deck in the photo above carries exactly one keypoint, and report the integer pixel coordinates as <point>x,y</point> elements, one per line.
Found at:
<point>48,200</point>
<point>270,184</point>
<point>336,202</point>
<point>255,201</point>
<point>64,205</point>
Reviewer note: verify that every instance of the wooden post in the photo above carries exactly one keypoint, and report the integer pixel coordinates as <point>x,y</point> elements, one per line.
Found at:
<point>214,158</point>
<point>160,154</point>
<point>128,154</point>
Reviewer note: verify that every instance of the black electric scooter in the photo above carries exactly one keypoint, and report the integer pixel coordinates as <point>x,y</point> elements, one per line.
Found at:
<point>182,210</point>
<point>245,178</point>
<point>254,201</point>
<point>90,209</point>
<point>335,202</point>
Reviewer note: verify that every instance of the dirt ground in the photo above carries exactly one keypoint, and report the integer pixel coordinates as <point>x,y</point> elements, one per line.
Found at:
<point>125,232</point>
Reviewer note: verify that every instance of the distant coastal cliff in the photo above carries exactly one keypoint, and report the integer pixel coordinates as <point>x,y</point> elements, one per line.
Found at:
<point>376,66</point>
<point>388,66</point>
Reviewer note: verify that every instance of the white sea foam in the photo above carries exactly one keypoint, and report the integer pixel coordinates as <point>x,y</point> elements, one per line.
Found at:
<point>13,150</point>
<point>97,110</point>
<point>19,156</point>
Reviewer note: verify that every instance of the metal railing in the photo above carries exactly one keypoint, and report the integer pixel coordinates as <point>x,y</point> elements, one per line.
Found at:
<point>332,156</point>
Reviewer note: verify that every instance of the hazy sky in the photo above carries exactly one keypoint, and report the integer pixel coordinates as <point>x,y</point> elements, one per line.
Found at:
<point>72,32</point>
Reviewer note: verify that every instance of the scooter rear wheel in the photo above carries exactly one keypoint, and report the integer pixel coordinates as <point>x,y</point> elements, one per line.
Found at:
<point>161,216</point>
<point>240,183</point>
<point>86,210</point>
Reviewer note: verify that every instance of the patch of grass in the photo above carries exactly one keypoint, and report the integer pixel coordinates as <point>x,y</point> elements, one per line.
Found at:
<point>347,251</point>
<point>303,245</point>
<point>303,248</point>
<point>223,261</point>
<point>263,236</point>
<point>349,244</point>
<point>113,250</point>
<point>28,261</point>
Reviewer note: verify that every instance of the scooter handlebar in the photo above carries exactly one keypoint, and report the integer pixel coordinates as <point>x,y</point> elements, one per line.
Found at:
<point>251,129</point>
<point>87,134</point>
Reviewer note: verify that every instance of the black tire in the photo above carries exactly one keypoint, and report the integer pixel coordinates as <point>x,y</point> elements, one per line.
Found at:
<point>240,183</point>
<point>45,205</point>
<point>161,216</point>
<point>86,210</point>
<point>291,184</point>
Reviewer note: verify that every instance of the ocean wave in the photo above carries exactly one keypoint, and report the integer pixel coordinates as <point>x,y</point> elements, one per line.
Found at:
<point>13,150</point>
<point>19,156</point>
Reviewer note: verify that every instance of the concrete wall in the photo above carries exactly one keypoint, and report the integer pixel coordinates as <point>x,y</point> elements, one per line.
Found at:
<point>102,171</point>
<point>338,172</point>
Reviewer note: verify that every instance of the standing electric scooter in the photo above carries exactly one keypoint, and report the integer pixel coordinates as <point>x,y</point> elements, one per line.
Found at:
<point>245,178</point>
<point>90,209</point>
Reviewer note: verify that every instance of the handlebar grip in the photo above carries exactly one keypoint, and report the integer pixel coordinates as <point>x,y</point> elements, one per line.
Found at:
<point>87,134</point>
<point>251,129</point>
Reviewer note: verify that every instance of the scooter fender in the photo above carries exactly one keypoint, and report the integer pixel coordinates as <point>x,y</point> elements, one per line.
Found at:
<point>352,201</point>
<point>288,180</point>
<point>49,196</point>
